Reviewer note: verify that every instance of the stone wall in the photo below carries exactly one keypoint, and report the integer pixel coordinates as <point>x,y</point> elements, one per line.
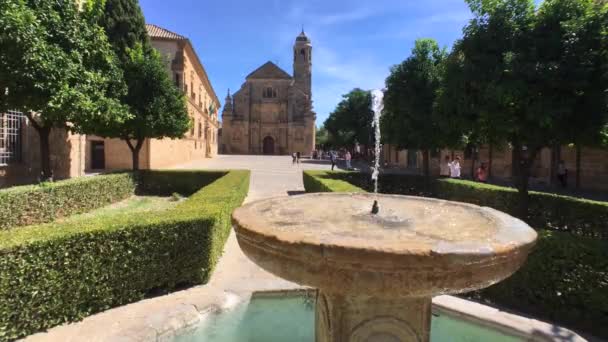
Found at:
<point>67,157</point>
<point>594,164</point>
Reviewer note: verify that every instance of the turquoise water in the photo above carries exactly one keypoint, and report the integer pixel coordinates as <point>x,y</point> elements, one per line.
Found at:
<point>291,318</point>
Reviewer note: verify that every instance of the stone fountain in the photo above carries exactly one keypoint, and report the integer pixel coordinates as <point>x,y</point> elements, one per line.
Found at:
<point>376,273</point>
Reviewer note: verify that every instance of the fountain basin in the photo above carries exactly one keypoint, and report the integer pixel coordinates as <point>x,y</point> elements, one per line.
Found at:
<point>376,274</point>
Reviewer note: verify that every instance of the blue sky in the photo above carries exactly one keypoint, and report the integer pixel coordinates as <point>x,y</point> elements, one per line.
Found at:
<point>355,42</point>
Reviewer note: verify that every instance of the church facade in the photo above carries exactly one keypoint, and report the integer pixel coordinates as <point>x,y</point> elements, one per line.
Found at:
<point>272,111</point>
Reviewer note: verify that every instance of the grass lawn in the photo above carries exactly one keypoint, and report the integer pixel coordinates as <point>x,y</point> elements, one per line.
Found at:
<point>133,204</point>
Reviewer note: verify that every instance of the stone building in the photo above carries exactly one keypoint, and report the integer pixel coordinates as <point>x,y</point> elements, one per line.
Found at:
<point>73,155</point>
<point>272,112</point>
<point>188,73</point>
<point>593,164</point>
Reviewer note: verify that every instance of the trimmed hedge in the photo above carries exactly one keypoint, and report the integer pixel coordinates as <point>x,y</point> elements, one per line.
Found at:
<point>167,182</point>
<point>321,181</point>
<point>33,204</point>
<point>61,272</point>
<point>565,279</point>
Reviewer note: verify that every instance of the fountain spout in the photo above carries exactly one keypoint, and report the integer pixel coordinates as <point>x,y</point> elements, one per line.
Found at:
<point>375,208</point>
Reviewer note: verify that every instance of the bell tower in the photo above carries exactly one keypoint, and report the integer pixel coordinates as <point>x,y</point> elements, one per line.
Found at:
<point>302,63</point>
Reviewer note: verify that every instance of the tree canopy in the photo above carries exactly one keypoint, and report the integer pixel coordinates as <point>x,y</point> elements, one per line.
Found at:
<point>411,91</point>
<point>351,122</point>
<point>57,66</point>
<point>529,78</point>
<point>157,106</point>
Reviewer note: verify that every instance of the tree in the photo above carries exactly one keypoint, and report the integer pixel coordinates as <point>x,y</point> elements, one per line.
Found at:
<point>528,80</point>
<point>125,26</point>
<point>351,122</point>
<point>411,92</point>
<point>157,106</point>
<point>572,55</point>
<point>322,137</point>
<point>57,67</point>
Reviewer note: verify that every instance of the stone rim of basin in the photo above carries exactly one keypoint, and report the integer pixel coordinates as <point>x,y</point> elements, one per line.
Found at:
<point>418,269</point>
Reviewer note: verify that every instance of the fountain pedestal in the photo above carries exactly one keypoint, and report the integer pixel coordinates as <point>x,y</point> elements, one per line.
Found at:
<point>376,274</point>
<point>362,319</point>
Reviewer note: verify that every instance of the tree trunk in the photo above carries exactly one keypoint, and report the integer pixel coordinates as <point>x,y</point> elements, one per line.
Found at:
<point>490,155</point>
<point>44,133</point>
<point>135,151</point>
<point>578,165</point>
<point>523,164</point>
<point>426,168</point>
<point>473,163</point>
<point>555,158</point>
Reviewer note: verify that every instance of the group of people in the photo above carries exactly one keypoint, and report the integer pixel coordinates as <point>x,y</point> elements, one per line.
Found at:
<point>452,169</point>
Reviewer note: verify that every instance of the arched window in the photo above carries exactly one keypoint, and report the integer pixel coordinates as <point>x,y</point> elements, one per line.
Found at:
<point>303,52</point>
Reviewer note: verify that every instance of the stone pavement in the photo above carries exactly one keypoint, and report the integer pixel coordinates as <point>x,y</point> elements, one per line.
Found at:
<point>235,277</point>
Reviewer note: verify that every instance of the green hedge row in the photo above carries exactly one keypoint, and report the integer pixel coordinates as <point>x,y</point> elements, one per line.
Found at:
<point>167,182</point>
<point>61,272</point>
<point>548,211</point>
<point>33,204</point>
<point>565,279</point>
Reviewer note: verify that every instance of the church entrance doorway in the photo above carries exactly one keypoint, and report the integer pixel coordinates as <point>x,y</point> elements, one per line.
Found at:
<point>268,145</point>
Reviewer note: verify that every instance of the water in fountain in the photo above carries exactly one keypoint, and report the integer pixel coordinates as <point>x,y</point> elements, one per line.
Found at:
<point>377,106</point>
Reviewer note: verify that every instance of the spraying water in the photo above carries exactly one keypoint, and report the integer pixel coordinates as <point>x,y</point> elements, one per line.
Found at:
<point>377,106</point>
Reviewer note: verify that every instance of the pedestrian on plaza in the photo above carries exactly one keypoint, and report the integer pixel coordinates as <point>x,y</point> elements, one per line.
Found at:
<point>293,158</point>
<point>332,156</point>
<point>562,173</point>
<point>348,158</point>
<point>455,168</point>
<point>482,173</point>
<point>298,157</point>
<point>444,168</point>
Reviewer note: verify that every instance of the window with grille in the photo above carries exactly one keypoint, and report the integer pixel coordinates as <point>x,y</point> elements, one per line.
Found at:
<point>11,126</point>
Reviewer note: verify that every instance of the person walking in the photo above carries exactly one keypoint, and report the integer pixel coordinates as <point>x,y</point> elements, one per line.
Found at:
<point>332,157</point>
<point>482,173</point>
<point>444,168</point>
<point>293,158</point>
<point>348,158</point>
<point>298,157</point>
<point>455,168</point>
<point>562,173</point>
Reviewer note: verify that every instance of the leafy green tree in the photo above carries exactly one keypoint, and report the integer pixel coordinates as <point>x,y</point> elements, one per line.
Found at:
<point>158,108</point>
<point>322,137</point>
<point>351,122</point>
<point>571,50</point>
<point>528,81</point>
<point>125,26</point>
<point>57,67</point>
<point>410,97</point>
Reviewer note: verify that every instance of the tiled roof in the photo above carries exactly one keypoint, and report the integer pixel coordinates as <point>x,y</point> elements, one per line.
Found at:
<point>269,71</point>
<point>159,32</point>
